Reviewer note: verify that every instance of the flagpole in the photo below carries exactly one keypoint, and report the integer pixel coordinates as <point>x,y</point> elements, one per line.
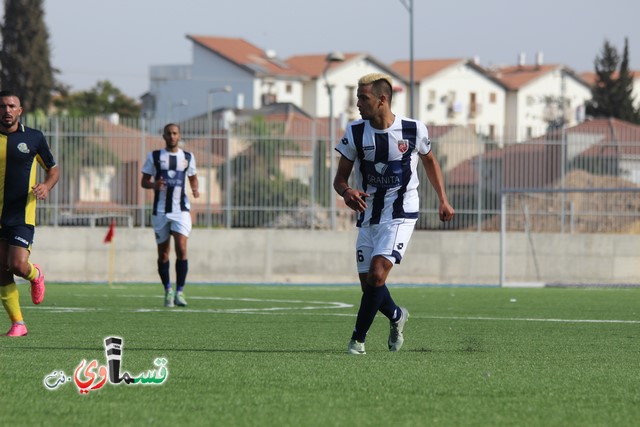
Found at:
<point>112,258</point>
<point>109,238</point>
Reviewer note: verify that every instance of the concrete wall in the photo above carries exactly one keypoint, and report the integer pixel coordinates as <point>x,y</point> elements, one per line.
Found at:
<point>76,254</point>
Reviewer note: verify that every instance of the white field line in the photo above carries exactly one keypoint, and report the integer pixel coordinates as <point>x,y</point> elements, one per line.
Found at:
<point>529,319</point>
<point>310,305</point>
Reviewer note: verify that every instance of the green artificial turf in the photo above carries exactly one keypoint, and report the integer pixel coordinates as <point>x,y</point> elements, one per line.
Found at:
<point>276,356</point>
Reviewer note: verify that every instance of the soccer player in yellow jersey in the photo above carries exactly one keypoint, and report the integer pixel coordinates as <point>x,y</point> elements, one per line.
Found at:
<point>21,150</point>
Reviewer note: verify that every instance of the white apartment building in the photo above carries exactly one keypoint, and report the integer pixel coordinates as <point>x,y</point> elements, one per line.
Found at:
<point>457,92</point>
<point>504,104</point>
<point>540,96</point>
<point>343,77</point>
<point>232,73</point>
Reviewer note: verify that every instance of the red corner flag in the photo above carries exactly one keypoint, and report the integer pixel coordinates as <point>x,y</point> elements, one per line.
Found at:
<point>112,229</point>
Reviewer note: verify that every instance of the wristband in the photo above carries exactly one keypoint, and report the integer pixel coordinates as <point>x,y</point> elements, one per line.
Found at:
<point>344,191</point>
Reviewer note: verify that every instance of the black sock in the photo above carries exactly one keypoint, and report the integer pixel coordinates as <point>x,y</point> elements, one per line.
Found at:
<point>369,304</point>
<point>163,271</point>
<point>388,306</point>
<point>182,268</point>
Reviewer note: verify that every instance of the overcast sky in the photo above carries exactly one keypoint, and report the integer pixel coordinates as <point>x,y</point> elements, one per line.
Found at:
<point>117,40</point>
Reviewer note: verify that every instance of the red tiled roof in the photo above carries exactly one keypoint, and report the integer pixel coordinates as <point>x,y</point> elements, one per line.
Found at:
<point>423,68</point>
<point>590,76</point>
<point>617,138</point>
<point>313,65</point>
<point>245,54</point>
<point>125,142</point>
<point>517,76</point>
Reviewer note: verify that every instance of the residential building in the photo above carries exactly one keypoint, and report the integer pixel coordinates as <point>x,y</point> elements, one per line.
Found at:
<point>600,147</point>
<point>455,144</point>
<point>225,72</point>
<point>457,92</point>
<point>590,78</point>
<point>233,73</point>
<point>343,77</point>
<point>540,97</point>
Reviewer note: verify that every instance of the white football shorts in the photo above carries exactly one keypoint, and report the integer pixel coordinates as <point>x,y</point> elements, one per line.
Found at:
<point>389,240</point>
<point>165,224</point>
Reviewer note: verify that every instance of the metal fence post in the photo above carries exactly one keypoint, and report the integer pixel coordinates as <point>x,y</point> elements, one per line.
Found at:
<point>227,182</point>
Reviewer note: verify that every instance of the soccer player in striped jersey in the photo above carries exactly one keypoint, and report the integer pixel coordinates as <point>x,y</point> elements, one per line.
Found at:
<point>384,149</point>
<point>21,150</point>
<point>166,172</point>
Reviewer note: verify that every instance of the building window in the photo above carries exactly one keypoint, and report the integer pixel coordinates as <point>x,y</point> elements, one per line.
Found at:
<point>493,98</point>
<point>473,105</point>
<point>268,99</point>
<point>288,88</point>
<point>351,90</point>
<point>492,131</point>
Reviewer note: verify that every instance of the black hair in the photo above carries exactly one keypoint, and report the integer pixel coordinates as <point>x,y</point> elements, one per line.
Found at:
<point>5,93</point>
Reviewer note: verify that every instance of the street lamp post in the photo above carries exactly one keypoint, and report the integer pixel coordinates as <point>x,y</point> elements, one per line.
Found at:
<point>172,105</point>
<point>210,146</point>
<point>408,4</point>
<point>332,57</point>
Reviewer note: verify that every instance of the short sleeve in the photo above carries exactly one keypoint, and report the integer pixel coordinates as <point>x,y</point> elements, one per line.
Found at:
<point>191,169</point>
<point>346,146</point>
<point>422,139</point>
<point>44,153</point>
<point>149,168</point>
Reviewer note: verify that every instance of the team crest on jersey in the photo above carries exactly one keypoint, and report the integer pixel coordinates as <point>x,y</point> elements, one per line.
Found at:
<point>22,147</point>
<point>403,145</point>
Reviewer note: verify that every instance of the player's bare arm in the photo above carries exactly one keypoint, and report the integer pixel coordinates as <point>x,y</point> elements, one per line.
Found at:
<point>434,173</point>
<point>352,197</point>
<point>147,182</point>
<point>193,182</point>
<point>41,189</point>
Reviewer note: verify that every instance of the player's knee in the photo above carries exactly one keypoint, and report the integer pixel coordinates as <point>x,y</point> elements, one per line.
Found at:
<point>18,268</point>
<point>375,279</point>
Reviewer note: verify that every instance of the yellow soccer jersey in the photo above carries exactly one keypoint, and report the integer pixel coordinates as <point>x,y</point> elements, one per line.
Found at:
<point>19,152</point>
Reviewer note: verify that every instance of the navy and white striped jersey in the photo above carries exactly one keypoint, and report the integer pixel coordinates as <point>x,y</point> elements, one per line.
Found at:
<point>174,168</point>
<point>385,163</point>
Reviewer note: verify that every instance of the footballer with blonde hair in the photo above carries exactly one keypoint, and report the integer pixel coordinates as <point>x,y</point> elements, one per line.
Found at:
<point>383,149</point>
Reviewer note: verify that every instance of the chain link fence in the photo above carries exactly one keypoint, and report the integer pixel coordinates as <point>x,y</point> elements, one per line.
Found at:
<point>276,172</point>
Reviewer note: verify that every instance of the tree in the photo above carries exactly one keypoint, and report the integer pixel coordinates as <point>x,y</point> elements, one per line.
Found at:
<point>260,189</point>
<point>612,90</point>
<point>104,98</point>
<point>624,85</point>
<point>24,57</point>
